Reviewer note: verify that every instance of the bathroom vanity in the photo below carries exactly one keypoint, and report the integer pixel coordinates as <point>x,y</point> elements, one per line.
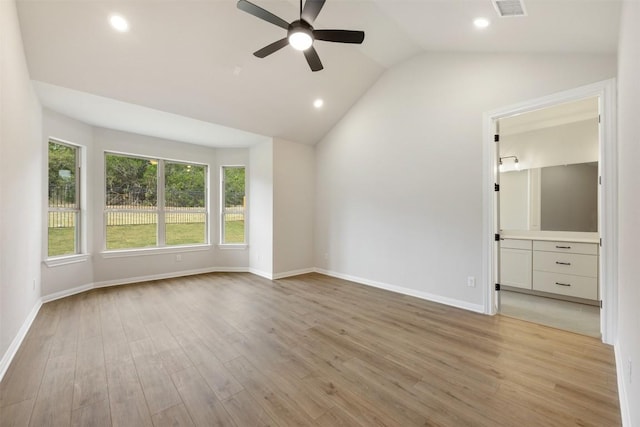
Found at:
<point>565,268</point>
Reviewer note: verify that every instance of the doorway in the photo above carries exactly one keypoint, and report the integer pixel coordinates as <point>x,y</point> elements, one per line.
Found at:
<point>553,262</point>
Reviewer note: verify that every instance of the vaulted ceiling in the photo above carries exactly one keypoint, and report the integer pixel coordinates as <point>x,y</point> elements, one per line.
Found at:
<point>189,64</point>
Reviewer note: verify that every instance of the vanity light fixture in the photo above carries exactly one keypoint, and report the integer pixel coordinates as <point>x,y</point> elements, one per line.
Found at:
<point>516,164</point>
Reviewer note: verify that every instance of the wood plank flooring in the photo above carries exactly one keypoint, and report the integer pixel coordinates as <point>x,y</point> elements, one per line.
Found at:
<point>234,349</point>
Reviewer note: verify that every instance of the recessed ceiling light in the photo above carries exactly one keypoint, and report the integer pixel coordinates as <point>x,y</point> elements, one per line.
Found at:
<point>318,103</point>
<point>119,23</point>
<point>481,22</point>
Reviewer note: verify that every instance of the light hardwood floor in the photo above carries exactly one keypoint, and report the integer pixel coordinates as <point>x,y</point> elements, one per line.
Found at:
<point>239,350</point>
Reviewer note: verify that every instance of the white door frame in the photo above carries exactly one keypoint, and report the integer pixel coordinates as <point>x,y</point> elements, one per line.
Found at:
<point>608,219</point>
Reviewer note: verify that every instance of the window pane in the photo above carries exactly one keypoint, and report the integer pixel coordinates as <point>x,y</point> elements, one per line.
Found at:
<point>184,185</point>
<point>62,200</point>
<point>62,176</point>
<point>234,204</point>
<point>131,182</point>
<point>184,228</point>
<point>233,230</point>
<point>134,217</point>
<point>62,233</point>
<point>126,230</point>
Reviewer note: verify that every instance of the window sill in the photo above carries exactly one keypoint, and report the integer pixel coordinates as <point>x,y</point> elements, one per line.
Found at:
<point>66,260</point>
<point>123,253</point>
<point>233,246</point>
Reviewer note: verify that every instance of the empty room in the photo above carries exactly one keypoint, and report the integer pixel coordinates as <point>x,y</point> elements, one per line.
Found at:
<point>322,212</point>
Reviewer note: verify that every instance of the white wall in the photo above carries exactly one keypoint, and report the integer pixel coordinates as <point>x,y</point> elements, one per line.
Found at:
<point>399,195</point>
<point>628,345</point>
<point>21,170</point>
<point>260,205</point>
<point>553,146</point>
<point>514,200</point>
<point>294,205</point>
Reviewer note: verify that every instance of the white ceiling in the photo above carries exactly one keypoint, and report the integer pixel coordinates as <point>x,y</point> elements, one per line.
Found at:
<point>194,58</point>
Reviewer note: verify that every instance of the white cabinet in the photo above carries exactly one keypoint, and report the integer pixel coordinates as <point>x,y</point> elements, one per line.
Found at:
<point>556,267</point>
<point>515,263</point>
<point>566,268</point>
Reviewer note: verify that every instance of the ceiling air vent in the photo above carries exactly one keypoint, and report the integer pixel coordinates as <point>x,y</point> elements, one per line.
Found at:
<point>509,8</point>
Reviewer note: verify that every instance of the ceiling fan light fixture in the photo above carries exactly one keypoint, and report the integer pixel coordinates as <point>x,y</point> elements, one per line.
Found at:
<point>300,37</point>
<point>300,40</point>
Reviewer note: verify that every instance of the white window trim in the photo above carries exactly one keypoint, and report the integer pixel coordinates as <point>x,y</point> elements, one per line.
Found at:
<point>221,243</point>
<point>80,229</point>
<point>66,260</point>
<point>122,253</point>
<point>233,246</point>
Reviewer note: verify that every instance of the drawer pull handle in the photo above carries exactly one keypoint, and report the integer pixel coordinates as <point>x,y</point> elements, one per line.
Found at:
<point>563,247</point>
<point>563,263</point>
<point>563,284</point>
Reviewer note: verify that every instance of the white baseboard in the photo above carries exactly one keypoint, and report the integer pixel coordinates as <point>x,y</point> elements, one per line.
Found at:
<point>261,273</point>
<point>66,293</point>
<point>17,341</point>
<point>478,308</point>
<point>139,279</point>
<point>622,392</point>
<point>292,273</point>
<point>151,277</point>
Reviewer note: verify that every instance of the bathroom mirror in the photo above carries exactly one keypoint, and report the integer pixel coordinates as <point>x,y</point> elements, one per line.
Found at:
<point>553,198</point>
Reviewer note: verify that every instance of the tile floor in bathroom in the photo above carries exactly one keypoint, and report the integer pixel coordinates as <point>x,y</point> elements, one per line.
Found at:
<point>580,318</point>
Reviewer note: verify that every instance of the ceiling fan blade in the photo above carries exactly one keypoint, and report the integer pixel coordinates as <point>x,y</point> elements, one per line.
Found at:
<point>339,36</point>
<point>313,59</point>
<point>273,47</point>
<point>311,10</point>
<point>259,12</point>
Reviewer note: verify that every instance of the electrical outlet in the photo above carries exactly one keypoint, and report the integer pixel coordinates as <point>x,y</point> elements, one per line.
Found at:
<point>471,282</point>
<point>178,257</point>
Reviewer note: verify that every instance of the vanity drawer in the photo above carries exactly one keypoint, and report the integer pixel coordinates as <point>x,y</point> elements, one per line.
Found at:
<point>566,247</point>
<point>578,264</point>
<point>515,244</point>
<point>566,284</point>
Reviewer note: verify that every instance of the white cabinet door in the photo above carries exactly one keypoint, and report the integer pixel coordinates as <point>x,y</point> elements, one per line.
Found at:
<point>515,268</point>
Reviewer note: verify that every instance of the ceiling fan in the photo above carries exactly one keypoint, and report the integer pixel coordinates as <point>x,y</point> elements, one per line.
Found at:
<point>300,33</point>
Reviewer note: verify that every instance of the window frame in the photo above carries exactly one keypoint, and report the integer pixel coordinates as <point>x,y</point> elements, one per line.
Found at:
<point>221,242</point>
<point>160,209</point>
<point>79,253</point>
